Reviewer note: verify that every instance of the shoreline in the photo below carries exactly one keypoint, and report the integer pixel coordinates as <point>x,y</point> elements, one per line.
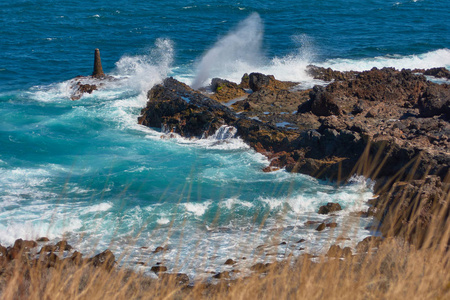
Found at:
<point>390,126</point>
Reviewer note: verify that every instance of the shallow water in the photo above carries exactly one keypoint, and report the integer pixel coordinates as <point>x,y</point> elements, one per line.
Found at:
<point>87,171</point>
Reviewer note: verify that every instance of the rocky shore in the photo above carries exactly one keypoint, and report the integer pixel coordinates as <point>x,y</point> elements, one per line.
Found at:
<point>388,125</point>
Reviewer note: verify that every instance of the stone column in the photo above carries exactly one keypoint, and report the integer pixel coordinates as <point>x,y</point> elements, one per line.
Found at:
<point>98,70</point>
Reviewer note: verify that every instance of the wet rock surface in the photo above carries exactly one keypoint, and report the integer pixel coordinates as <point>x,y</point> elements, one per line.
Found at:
<point>398,120</point>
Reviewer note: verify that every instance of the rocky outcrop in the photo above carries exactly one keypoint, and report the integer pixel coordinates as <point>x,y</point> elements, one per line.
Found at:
<point>424,199</point>
<point>225,90</point>
<point>330,207</point>
<point>82,85</point>
<point>384,124</point>
<point>327,74</point>
<point>258,81</point>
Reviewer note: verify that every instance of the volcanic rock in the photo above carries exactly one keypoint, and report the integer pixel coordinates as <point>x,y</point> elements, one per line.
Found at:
<point>180,279</point>
<point>438,72</point>
<point>330,207</point>
<point>158,269</point>
<point>225,90</point>
<point>230,262</point>
<point>321,227</point>
<point>106,260</point>
<point>257,81</point>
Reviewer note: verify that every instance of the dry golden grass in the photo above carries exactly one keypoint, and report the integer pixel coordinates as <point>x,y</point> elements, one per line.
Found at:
<point>395,271</point>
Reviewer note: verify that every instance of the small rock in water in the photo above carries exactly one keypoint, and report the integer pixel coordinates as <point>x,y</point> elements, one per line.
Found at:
<point>222,275</point>
<point>105,259</point>
<point>321,227</point>
<point>230,262</point>
<point>301,241</point>
<point>160,249</point>
<point>158,269</point>
<point>332,225</point>
<point>330,207</point>
<point>63,246</point>
<point>42,239</point>
<point>179,278</point>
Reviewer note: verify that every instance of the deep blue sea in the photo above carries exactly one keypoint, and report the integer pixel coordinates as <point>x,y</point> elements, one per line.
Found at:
<point>86,171</point>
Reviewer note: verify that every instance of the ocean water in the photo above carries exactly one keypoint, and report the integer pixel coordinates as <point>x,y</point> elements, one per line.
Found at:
<point>86,171</point>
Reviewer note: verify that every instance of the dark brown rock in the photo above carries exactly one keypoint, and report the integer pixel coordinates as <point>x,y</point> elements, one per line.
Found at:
<point>230,262</point>
<point>180,279</point>
<point>63,246</point>
<point>258,81</point>
<point>368,243</point>
<point>332,225</point>
<point>330,207</point>
<point>321,227</point>
<point>337,252</point>
<point>158,269</point>
<point>260,267</point>
<point>98,69</point>
<point>20,247</point>
<point>76,258</point>
<point>225,90</point>
<point>161,249</point>
<point>327,74</point>
<point>3,255</point>
<point>106,260</point>
<point>245,82</point>
<point>435,101</point>
<point>42,239</point>
<point>438,72</point>
<point>222,275</point>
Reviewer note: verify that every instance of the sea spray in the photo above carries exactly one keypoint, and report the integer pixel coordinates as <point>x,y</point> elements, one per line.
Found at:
<point>144,71</point>
<point>240,47</point>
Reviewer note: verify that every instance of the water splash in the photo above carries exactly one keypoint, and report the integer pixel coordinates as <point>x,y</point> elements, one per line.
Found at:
<point>239,48</point>
<point>144,71</point>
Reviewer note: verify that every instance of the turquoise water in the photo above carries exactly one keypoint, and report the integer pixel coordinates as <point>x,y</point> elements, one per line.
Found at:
<point>87,171</point>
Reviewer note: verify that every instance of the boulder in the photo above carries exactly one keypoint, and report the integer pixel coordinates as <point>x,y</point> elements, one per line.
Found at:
<point>438,72</point>
<point>157,269</point>
<point>337,252</point>
<point>222,275</point>
<point>368,243</point>
<point>321,227</point>
<point>435,101</point>
<point>3,255</point>
<point>230,262</point>
<point>20,247</point>
<point>180,279</point>
<point>258,81</point>
<point>105,260</point>
<point>327,74</point>
<point>63,246</point>
<point>322,103</point>
<point>225,90</point>
<point>160,249</point>
<point>330,207</point>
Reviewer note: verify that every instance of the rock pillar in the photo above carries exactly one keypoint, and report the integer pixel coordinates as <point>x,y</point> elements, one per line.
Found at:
<point>98,70</point>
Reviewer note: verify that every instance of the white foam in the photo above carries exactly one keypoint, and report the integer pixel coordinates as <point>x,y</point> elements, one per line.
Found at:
<point>433,59</point>
<point>197,209</point>
<point>233,203</point>
<point>98,207</point>
<point>163,221</point>
<point>144,71</point>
